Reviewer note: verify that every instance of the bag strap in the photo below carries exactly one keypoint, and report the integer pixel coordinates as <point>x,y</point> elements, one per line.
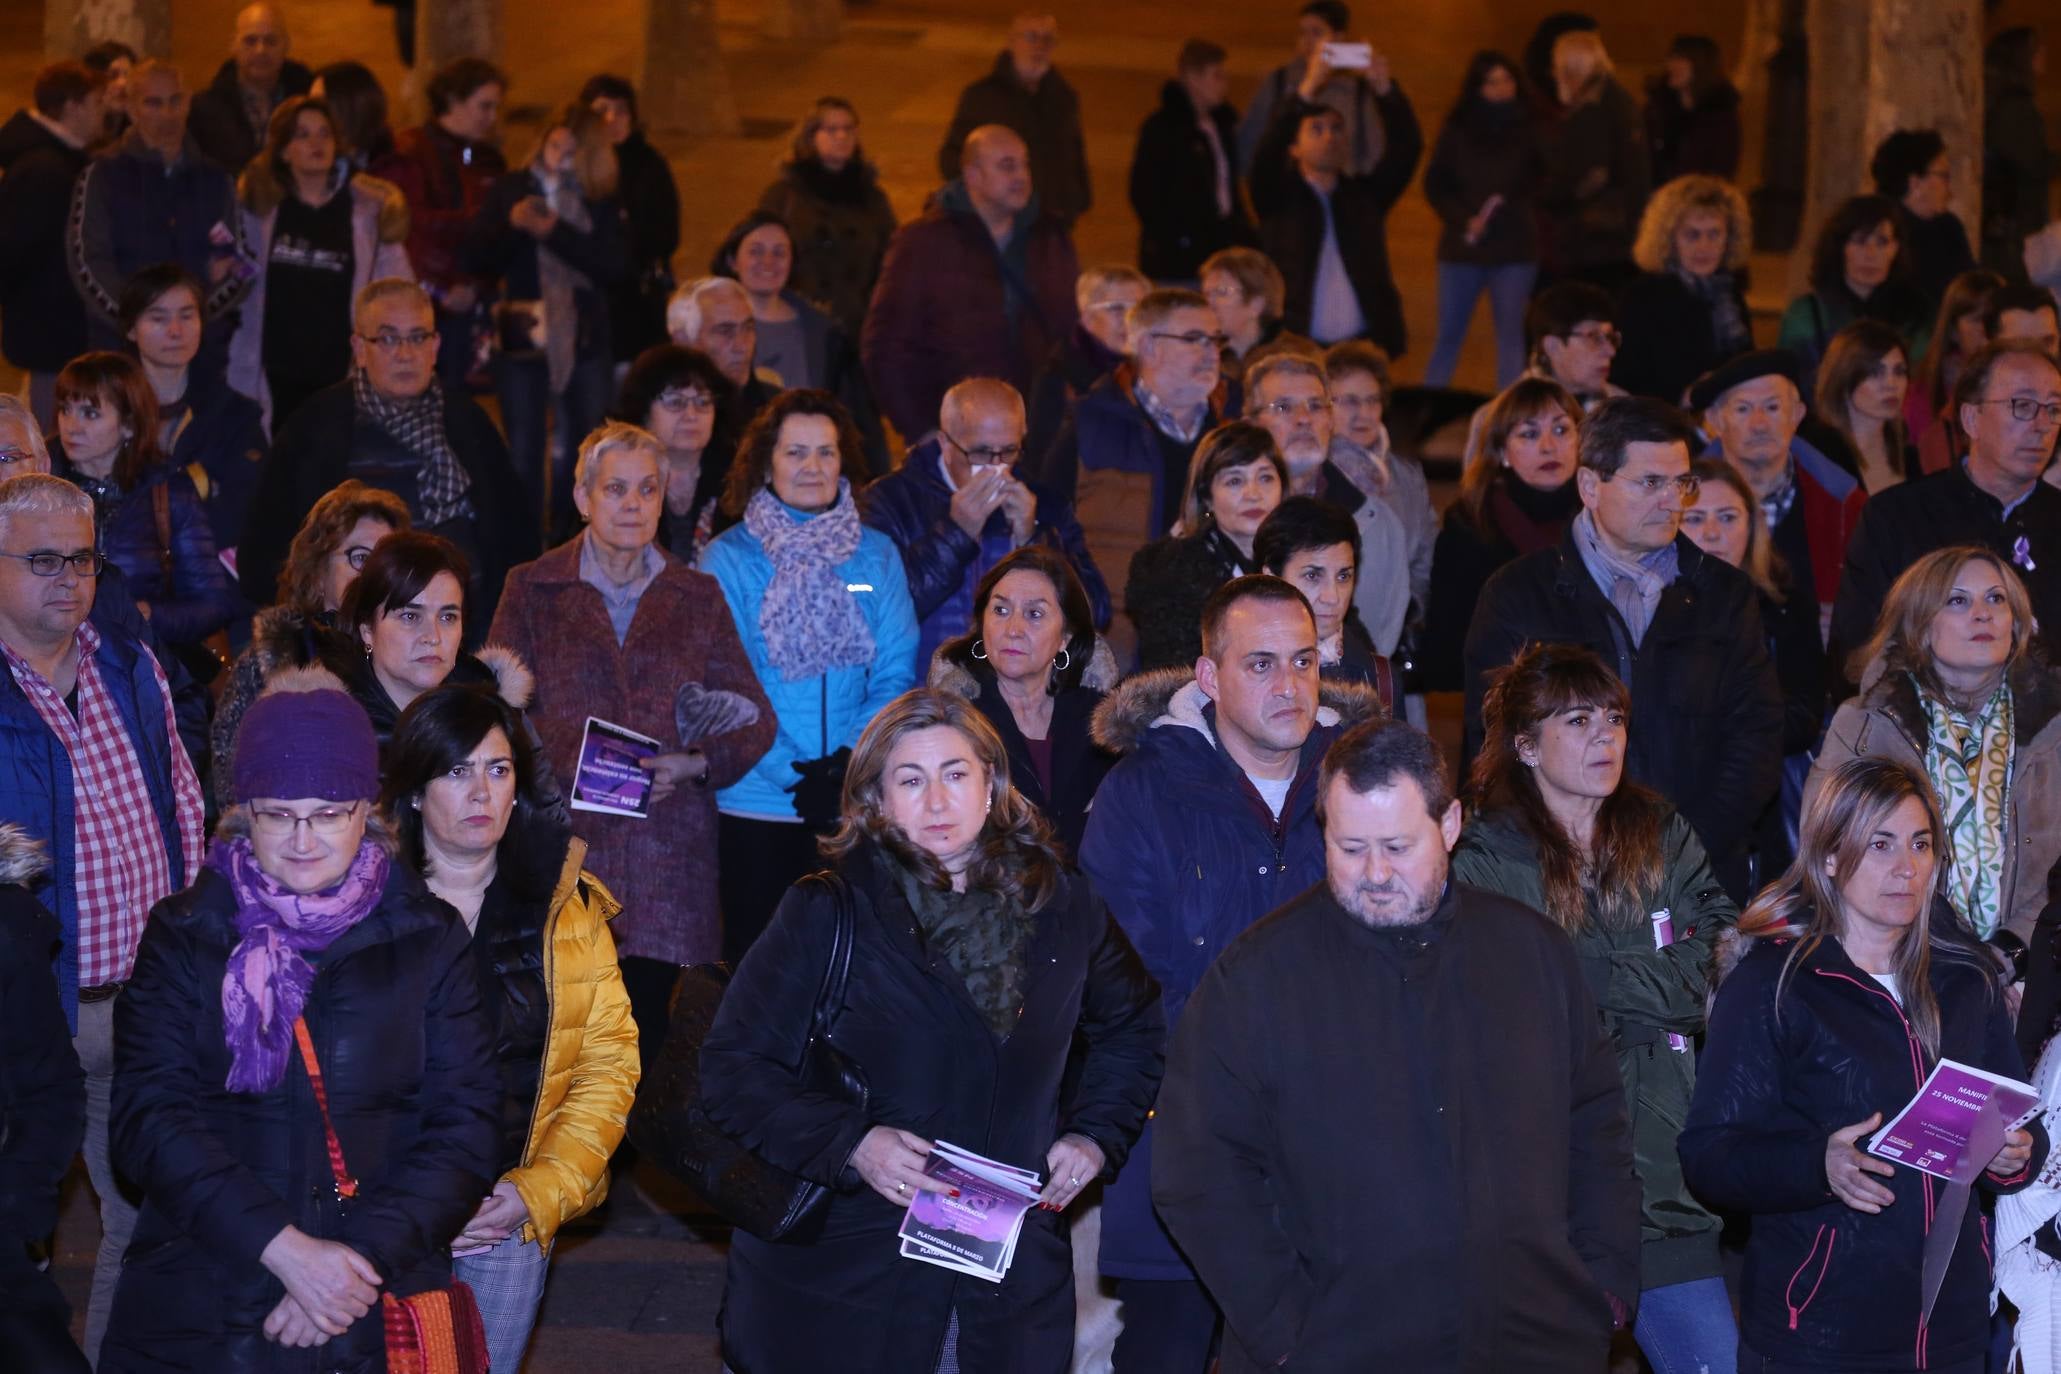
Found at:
<point>838,968</point>
<point>161,512</point>
<point>346,1186</point>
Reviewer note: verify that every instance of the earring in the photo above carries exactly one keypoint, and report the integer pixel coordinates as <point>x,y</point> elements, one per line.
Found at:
<point>1063,662</point>
<point>980,650</point>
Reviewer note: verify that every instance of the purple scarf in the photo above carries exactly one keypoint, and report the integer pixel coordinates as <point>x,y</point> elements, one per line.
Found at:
<point>267,981</point>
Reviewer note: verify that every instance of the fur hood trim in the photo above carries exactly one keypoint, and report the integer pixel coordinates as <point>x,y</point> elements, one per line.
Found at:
<point>309,677</point>
<point>949,674</point>
<point>22,859</point>
<point>514,683</point>
<point>1171,698</point>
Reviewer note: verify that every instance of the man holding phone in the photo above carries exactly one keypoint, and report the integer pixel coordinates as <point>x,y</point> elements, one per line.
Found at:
<point>1347,84</point>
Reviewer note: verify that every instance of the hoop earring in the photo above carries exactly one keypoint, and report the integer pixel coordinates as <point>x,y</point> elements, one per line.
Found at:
<point>1063,662</point>
<point>980,650</point>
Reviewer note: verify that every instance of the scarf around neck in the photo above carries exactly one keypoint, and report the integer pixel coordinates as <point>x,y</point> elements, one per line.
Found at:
<point>1968,759</point>
<point>982,935</point>
<point>809,618</point>
<point>266,982</point>
<point>1634,586</point>
<point>417,425</point>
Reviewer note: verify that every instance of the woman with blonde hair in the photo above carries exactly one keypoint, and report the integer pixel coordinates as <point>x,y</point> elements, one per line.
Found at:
<point>1235,480</point>
<point>1857,416</point>
<point>550,233</point>
<point>1248,293</point>
<point>1517,496</point>
<point>977,960</point>
<point>1952,686</point>
<point>1855,982</point>
<point>1687,313</point>
<point>1555,824</point>
<point>1597,170</point>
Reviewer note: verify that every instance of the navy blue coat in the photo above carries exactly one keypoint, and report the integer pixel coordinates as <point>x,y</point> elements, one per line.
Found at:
<point>1827,1287</point>
<point>224,436</point>
<point>1187,856</point>
<point>913,506</point>
<point>197,598</point>
<point>36,783</point>
<point>405,1047</point>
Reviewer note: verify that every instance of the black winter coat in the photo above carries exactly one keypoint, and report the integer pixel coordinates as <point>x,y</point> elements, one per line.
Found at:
<point>497,250</point>
<point>1828,1287</point>
<point>1078,761</point>
<point>42,318</point>
<point>1482,152</point>
<point>1170,580</point>
<point>42,1087</point>
<point>1174,188</point>
<point>844,1300</point>
<point>1670,336</point>
<point>1463,560</point>
<point>650,204</point>
<point>840,223</point>
<point>219,124</point>
<point>1706,704</point>
<point>401,1037</point>
<point>1401,1148</point>
<point>1047,119</point>
<point>326,440</point>
<point>1590,223</point>
<point>1292,218</point>
<point>1703,137</point>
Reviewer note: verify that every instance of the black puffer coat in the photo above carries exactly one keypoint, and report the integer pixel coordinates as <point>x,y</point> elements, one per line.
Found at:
<point>846,1301</point>
<point>401,1036</point>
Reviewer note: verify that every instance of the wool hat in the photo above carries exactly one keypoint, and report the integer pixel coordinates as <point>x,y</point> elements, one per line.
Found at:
<point>1706,391</point>
<point>306,737</point>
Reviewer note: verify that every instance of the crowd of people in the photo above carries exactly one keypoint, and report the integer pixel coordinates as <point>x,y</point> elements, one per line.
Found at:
<point>1043,649</point>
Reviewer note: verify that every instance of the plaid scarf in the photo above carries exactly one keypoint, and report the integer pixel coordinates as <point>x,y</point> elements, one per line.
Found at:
<point>418,425</point>
<point>1968,759</point>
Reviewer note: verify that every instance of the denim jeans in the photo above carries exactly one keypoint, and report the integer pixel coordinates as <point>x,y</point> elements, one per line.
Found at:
<point>95,1046</point>
<point>1687,1328</point>
<point>508,1284</point>
<point>524,388</point>
<point>1460,284</point>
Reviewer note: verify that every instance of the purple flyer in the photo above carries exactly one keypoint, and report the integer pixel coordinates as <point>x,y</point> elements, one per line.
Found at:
<point>608,777</point>
<point>1956,1124</point>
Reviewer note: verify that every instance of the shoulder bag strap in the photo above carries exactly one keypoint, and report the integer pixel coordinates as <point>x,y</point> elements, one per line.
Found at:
<point>346,1186</point>
<point>838,968</point>
<point>161,512</point>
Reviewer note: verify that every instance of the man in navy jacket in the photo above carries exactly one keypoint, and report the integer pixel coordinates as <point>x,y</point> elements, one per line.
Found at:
<point>956,508</point>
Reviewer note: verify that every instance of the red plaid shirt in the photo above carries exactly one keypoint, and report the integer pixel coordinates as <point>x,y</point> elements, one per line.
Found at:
<point>119,866</point>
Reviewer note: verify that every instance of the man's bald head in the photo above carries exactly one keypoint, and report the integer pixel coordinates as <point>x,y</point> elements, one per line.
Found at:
<point>260,46</point>
<point>996,167</point>
<point>981,422</point>
<point>973,400</point>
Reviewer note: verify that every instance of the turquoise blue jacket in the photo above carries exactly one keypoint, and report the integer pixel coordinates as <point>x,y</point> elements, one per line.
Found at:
<point>853,695</point>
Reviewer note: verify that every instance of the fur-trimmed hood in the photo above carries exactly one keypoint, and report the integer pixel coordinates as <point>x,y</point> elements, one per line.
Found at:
<point>2035,698</point>
<point>22,859</point>
<point>1171,698</point>
<point>283,638</point>
<point>514,683</point>
<point>948,673</point>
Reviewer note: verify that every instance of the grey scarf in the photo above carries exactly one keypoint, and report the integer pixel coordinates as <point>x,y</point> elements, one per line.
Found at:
<point>1633,586</point>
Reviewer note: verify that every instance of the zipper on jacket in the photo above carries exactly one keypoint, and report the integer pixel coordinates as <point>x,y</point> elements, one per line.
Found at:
<point>1796,1309</point>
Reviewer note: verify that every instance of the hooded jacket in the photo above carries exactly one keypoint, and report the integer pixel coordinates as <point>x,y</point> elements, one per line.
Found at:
<point>1887,721</point>
<point>1787,1063</point>
<point>1187,855</point>
<point>1642,994</point>
<point>939,314</point>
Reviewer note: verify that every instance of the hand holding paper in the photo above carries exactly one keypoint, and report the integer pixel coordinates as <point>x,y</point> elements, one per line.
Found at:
<point>1847,1169</point>
<point>2016,1154</point>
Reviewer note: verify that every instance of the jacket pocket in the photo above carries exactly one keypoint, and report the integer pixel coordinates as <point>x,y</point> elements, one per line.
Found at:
<point>1809,1277</point>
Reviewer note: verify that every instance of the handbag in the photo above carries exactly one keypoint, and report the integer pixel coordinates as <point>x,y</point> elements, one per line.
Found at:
<point>437,1332</point>
<point>669,1124</point>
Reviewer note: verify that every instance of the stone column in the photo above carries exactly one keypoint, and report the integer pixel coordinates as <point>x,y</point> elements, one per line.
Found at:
<point>72,26</point>
<point>685,84</point>
<point>446,30</point>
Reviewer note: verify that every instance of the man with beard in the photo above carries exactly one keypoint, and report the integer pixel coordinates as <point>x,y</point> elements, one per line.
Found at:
<point>1392,1133</point>
<point>1206,824</point>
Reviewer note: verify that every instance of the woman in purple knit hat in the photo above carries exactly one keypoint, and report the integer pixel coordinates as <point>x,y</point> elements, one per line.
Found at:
<point>297,1089</point>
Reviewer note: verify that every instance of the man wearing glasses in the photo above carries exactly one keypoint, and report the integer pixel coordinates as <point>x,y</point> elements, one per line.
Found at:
<point>956,507</point>
<point>2008,405</point>
<point>98,776</point>
<point>391,425</point>
<point>1680,627</point>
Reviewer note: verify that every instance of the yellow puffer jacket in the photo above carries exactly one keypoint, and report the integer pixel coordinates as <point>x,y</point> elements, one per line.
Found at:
<point>590,1058</point>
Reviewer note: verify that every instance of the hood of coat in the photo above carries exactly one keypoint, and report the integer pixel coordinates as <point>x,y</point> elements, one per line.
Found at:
<point>952,669</point>
<point>22,859</point>
<point>2035,698</point>
<point>514,683</point>
<point>1171,699</point>
<point>286,637</point>
<point>388,203</point>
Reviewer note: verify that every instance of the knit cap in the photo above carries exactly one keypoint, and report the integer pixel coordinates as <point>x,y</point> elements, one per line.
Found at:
<point>306,737</point>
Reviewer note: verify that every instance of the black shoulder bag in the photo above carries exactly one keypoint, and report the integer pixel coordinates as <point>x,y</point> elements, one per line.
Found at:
<point>669,1124</point>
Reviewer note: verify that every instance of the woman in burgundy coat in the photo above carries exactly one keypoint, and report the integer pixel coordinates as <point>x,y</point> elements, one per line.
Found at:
<point>620,630</point>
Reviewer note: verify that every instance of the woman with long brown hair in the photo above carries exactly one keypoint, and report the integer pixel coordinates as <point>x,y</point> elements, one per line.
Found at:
<point>1858,414</point>
<point>1555,824</point>
<point>1517,496</point>
<point>976,960</point>
<point>1957,335</point>
<point>1855,982</point>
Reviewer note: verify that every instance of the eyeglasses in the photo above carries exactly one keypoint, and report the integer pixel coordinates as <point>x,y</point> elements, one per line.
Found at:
<point>356,555</point>
<point>2025,408</point>
<point>1312,407</point>
<point>1193,338</point>
<point>388,341</point>
<point>700,402</point>
<point>329,820</point>
<point>1005,456</point>
<point>1606,337</point>
<point>51,564</point>
<point>1653,484</point>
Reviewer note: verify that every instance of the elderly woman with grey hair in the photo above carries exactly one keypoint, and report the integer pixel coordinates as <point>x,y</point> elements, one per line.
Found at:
<point>621,631</point>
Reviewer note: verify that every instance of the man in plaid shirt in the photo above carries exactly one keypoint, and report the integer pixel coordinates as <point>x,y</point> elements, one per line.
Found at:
<point>91,765</point>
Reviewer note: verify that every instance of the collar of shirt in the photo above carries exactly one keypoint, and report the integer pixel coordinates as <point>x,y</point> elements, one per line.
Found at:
<point>88,640</point>
<point>611,590</point>
<point>2004,508</point>
<point>1164,419</point>
<point>1775,505</point>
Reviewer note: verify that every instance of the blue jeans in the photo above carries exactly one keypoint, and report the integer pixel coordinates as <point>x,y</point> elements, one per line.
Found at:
<point>1460,284</point>
<point>524,388</point>
<point>1687,1328</point>
<point>508,1284</point>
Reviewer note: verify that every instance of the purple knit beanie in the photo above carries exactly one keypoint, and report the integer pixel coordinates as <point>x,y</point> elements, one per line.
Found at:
<point>305,737</point>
